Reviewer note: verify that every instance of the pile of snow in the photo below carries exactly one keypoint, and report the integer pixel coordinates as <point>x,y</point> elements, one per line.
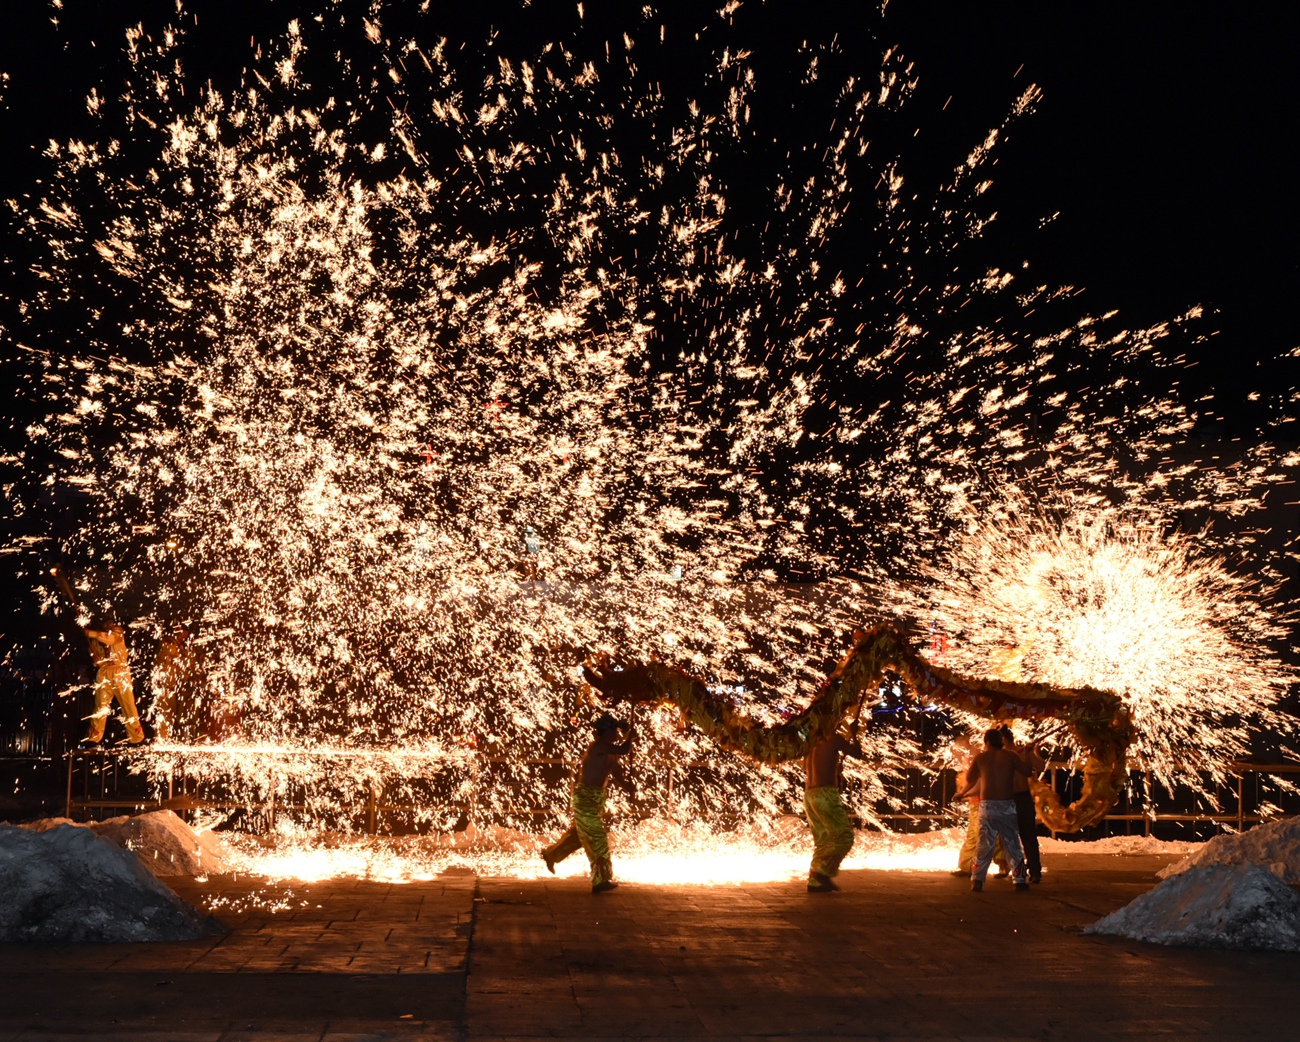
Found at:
<point>166,845</point>
<point>67,884</point>
<point>1275,845</point>
<point>1214,906</point>
<point>1127,846</point>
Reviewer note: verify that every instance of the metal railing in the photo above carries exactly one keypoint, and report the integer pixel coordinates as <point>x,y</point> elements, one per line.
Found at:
<point>111,761</point>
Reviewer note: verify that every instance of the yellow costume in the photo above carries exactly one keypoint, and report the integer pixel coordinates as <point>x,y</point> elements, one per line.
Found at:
<point>587,832</point>
<point>112,680</point>
<point>174,683</point>
<point>832,831</point>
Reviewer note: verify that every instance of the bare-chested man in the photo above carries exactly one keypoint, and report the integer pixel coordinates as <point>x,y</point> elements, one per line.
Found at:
<point>963,753</point>
<point>587,830</point>
<point>832,831</point>
<point>993,774</point>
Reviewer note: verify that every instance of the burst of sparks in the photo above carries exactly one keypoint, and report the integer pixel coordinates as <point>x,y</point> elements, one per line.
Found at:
<point>1081,595</point>
<point>409,412</point>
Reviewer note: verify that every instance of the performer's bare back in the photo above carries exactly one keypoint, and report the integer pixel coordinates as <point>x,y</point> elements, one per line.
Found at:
<point>995,770</point>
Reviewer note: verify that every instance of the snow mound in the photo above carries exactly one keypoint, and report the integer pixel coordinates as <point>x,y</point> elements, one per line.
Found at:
<point>1215,906</point>
<point>1128,846</point>
<point>166,845</point>
<point>1274,844</point>
<point>67,884</point>
<point>45,824</point>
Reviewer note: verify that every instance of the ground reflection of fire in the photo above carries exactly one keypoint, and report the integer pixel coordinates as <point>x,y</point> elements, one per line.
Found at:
<point>653,853</point>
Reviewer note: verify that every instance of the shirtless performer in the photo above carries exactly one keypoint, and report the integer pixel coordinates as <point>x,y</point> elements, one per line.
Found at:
<point>993,774</point>
<point>832,831</point>
<point>587,830</point>
<point>112,680</point>
<point>962,754</point>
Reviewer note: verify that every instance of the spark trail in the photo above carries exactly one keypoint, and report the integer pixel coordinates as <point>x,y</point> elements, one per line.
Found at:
<point>414,373</point>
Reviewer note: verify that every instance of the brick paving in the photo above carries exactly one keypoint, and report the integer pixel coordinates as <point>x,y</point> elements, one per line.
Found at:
<point>901,956</point>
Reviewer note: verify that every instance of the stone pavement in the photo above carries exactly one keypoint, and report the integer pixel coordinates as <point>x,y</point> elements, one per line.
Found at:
<point>901,956</point>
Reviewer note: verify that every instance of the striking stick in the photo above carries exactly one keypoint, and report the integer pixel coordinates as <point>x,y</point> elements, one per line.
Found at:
<point>61,581</point>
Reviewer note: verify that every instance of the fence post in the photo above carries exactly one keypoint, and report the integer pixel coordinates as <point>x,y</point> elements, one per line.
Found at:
<point>1241,810</point>
<point>1147,812</point>
<point>67,805</point>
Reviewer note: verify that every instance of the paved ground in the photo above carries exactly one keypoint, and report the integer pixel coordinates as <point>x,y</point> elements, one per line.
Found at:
<point>903,956</point>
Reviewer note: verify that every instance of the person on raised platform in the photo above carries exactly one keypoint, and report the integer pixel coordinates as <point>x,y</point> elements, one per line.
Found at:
<point>993,775</point>
<point>832,831</point>
<point>587,830</point>
<point>112,680</point>
<point>175,681</point>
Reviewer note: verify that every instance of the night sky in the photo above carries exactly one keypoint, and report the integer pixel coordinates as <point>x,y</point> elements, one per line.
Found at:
<point>1154,175</point>
<point>1161,141</point>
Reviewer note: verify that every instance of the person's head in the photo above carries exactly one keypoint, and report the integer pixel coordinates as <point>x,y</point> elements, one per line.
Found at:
<point>993,738</point>
<point>1008,738</point>
<point>608,726</point>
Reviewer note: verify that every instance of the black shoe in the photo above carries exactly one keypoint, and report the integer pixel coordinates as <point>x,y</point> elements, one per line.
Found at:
<point>1021,885</point>
<point>977,885</point>
<point>603,888</point>
<point>820,884</point>
<point>959,873</point>
<point>1037,877</point>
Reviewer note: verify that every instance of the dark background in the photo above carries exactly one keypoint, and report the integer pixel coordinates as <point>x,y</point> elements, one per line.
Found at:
<point>1162,140</point>
<point>1160,151</point>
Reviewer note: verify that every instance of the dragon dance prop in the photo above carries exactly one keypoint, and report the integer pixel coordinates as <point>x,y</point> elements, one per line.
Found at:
<point>1099,721</point>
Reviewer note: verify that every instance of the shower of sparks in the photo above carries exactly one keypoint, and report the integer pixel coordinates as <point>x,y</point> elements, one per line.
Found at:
<point>410,386</point>
<point>1094,597</point>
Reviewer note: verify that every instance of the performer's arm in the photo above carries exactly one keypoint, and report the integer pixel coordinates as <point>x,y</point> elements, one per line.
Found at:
<point>848,748</point>
<point>626,747</point>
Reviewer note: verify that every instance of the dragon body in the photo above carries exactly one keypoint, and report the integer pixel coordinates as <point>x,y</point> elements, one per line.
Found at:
<point>1098,719</point>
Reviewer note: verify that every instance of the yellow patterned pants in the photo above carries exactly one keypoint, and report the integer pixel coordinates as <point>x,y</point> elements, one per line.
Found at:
<point>968,848</point>
<point>832,831</point>
<point>587,832</point>
<point>114,682</point>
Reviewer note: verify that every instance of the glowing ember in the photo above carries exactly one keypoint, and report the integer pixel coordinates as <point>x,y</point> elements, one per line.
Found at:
<point>408,412</point>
